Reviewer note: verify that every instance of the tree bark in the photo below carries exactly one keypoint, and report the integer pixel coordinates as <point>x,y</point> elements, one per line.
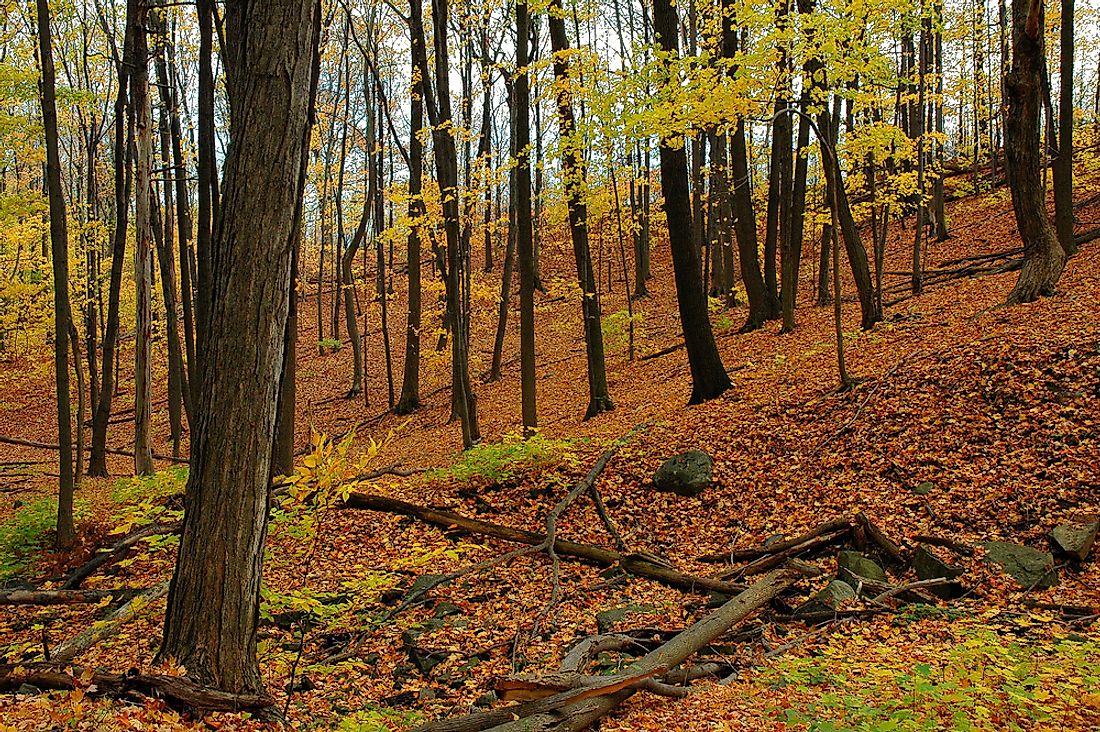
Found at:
<point>708,374</point>
<point>524,233</point>
<point>213,605</point>
<point>59,253</point>
<point>1044,257</point>
<point>1063,164</point>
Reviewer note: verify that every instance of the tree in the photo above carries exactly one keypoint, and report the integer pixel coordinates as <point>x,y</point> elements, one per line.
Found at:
<point>1044,257</point>
<point>59,253</point>
<point>573,174</point>
<point>213,604</point>
<point>708,375</point>
<point>1063,163</point>
<point>524,233</point>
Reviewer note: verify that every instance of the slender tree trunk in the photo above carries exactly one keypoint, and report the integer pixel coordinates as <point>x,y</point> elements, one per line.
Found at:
<point>59,253</point>
<point>1063,164</point>
<point>97,462</point>
<point>1044,257</point>
<point>410,383</point>
<point>708,375</point>
<point>143,249</point>
<point>524,238</point>
<point>213,603</point>
<point>575,179</point>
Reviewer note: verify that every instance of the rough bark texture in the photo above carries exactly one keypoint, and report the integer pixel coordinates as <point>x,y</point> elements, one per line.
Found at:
<point>210,624</point>
<point>410,382</point>
<point>524,233</point>
<point>1063,164</point>
<point>708,375</point>
<point>1043,255</point>
<point>143,247</point>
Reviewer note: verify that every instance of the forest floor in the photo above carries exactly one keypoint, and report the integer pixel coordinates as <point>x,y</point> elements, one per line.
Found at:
<point>967,421</point>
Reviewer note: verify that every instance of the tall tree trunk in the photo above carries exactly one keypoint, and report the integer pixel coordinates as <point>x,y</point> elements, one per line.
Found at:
<point>708,375</point>
<point>438,104</point>
<point>213,603</point>
<point>1044,257</point>
<point>574,176</point>
<point>524,234</point>
<point>1063,164</point>
<point>97,461</point>
<point>410,382</point>
<point>143,248</point>
<point>59,253</point>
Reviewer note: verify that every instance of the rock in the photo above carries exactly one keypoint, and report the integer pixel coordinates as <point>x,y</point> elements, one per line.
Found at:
<point>427,694</point>
<point>923,488</point>
<point>486,700</point>
<point>303,684</point>
<point>853,567</point>
<point>928,566</point>
<point>829,598</point>
<point>28,690</point>
<point>1076,539</point>
<point>686,474</point>
<point>445,609</point>
<point>1029,567</point>
<point>607,619</point>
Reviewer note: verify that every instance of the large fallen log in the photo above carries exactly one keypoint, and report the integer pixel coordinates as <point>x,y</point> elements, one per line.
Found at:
<point>547,714</point>
<point>632,563</point>
<point>178,691</point>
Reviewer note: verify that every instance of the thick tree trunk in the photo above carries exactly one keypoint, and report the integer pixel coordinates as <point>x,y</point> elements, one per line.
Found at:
<point>213,605</point>
<point>59,253</point>
<point>708,375</point>
<point>1044,257</point>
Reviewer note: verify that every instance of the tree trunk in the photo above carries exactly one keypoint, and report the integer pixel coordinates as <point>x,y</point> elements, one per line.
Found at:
<point>1044,257</point>
<point>213,604</point>
<point>574,176</point>
<point>524,234</point>
<point>708,375</point>
<point>59,253</point>
<point>410,382</point>
<point>1063,164</point>
<point>97,462</point>
<point>143,248</point>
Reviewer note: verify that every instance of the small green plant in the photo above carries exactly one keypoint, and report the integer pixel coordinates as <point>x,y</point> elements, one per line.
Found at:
<point>719,316</point>
<point>506,460</point>
<point>616,329</point>
<point>147,499</point>
<point>26,533</point>
<point>378,719</point>
<point>334,343</point>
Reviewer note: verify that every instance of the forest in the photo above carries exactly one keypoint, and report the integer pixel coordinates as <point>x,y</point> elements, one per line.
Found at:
<point>550,365</point>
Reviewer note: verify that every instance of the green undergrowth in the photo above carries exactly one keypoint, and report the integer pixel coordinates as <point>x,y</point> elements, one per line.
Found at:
<point>969,676</point>
<point>27,532</point>
<point>147,499</point>
<point>508,460</point>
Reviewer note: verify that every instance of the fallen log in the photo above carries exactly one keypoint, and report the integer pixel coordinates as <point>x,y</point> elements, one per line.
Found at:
<point>772,561</point>
<point>956,546</point>
<point>742,555</point>
<point>115,553</point>
<point>178,691</point>
<point>71,648</point>
<point>63,597</point>
<point>547,714</point>
<point>632,563</point>
<point>871,532</point>
<point>110,450</point>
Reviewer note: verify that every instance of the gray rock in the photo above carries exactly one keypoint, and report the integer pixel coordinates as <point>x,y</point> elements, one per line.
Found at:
<point>1029,567</point>
<point>828,598</point>
<point>928,566</point>
<point>853,567</point>
<point>1076,539</point>
<point>687,474</point>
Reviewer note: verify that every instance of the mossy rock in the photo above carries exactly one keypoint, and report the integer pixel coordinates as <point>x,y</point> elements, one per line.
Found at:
<point>1029,567</point>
